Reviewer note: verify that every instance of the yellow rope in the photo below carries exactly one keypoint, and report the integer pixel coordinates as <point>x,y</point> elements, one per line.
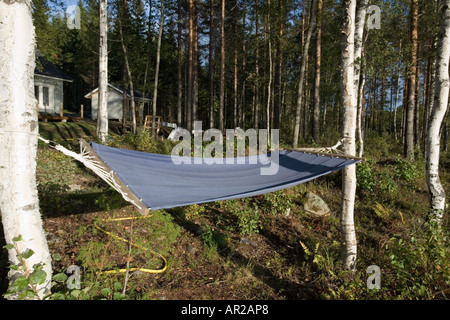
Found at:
<point>134,245</point>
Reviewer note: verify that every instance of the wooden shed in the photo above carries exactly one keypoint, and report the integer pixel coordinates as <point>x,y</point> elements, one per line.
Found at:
<point>115,103</point>
<point>49,82</point>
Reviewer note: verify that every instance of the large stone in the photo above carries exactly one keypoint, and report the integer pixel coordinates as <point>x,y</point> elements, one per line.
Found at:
<point>315,205</point>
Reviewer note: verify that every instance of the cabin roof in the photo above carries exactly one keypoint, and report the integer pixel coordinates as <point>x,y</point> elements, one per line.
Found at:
<point>137,94</point>
<point>48,69</point>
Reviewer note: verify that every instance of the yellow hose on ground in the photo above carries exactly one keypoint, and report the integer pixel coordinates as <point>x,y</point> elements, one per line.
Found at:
<point>132,244</point>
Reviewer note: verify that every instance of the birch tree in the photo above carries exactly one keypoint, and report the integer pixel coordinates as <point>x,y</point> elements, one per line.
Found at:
<point>348,236</point>
<point>19,203</point>
<point>102,111</point>
<point>359,78</point>
<point>435,187</point>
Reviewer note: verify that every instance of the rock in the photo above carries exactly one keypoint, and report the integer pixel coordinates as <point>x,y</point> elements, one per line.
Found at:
<point>315,205</point>
<point>246,241</point>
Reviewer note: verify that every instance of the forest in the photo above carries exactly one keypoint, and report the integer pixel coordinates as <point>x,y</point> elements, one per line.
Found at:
<point>370,75</point>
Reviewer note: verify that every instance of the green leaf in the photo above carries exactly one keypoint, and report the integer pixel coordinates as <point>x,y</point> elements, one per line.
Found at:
<point>14,267</point>
<point>118,296</point>
<point>57,257</point>
<point>75,293</point>
<point>18,238</point>
<point>9,247</point>
<point>38,277</point>
<point>21,283</point>
<point>27,254</point>
<point>118,285</point>
<point>106,292</point>
<point>60,277</point>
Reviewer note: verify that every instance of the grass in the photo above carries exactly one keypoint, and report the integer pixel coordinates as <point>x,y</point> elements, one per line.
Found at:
<point>263,247</point>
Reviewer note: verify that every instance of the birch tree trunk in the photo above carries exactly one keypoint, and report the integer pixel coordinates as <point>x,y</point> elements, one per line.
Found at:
<point>19,202</point>
<point>437,192</point>
<point>158,58</point>
<point>102,110</point>
<point>302,74</point>
<point>348,236</point>
<point>359,78</point>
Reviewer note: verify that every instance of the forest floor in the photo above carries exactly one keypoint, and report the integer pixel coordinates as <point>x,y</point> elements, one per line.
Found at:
<point>264,247</point>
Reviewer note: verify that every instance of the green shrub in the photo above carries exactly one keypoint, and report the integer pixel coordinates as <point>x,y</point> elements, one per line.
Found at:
<point>407,170</point>
<point>365,176</point>
<point>247,214</point>
<point>420,262</point>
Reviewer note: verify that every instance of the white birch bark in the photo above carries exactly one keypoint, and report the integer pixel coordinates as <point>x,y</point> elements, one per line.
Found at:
<point>348,236</point>
<point>359,79</point>
<point>102,111</point>
<point>19,202</point>
<point>437,192</point>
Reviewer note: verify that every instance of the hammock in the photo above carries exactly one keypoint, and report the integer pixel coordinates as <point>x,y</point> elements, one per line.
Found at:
<point>153,181</point>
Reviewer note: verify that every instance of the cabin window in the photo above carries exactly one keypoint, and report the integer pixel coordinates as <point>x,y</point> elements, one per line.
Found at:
<point>45,96</point>
<point>36,92</point>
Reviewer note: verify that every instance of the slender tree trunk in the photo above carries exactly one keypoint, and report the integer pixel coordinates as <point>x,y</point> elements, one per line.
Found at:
<point>409,145</point>
<point>222,69</point>
<point>348,235</point>
<point>316,108</point>
<point>211,64</point>
<point>242,106</point>
<point>256,113</point>
<point>190,68</point>
<point>437,192</point>
<point>19,203</point>
<point>302,74</point>
<point>179,74</point>
<point>235,72</point>
<point>102,110</point>
<point>158,58</point>
<point>269,85</point>
<point>130,78</point>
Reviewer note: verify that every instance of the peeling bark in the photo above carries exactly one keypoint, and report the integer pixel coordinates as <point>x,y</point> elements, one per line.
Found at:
<point>437,192</point>
<point>19,204</point>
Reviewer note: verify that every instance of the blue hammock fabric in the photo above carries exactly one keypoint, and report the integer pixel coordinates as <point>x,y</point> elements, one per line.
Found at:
<point>159,183</point>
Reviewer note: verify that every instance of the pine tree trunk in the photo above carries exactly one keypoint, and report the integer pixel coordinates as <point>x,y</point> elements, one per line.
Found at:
<point>302,74</point>
<point>128,70</point>
<point>211,66</point>
<point>256,98</point>
<point>242,104</point>
<point>348,235</point>
<point>222,69</point>
<point>437,192</point>
<point>316,108</point>
<point>190,52</point>
<point>179,73</point>
<point>102,110</point>
<point>158,58</point>
<point>409,121</point>
<point>19,203</point>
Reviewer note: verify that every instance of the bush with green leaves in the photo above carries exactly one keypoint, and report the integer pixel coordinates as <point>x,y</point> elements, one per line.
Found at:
<point>25,285</point>
<point>247,214</point>
<point>366,179</point>
<point>421,261</point>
